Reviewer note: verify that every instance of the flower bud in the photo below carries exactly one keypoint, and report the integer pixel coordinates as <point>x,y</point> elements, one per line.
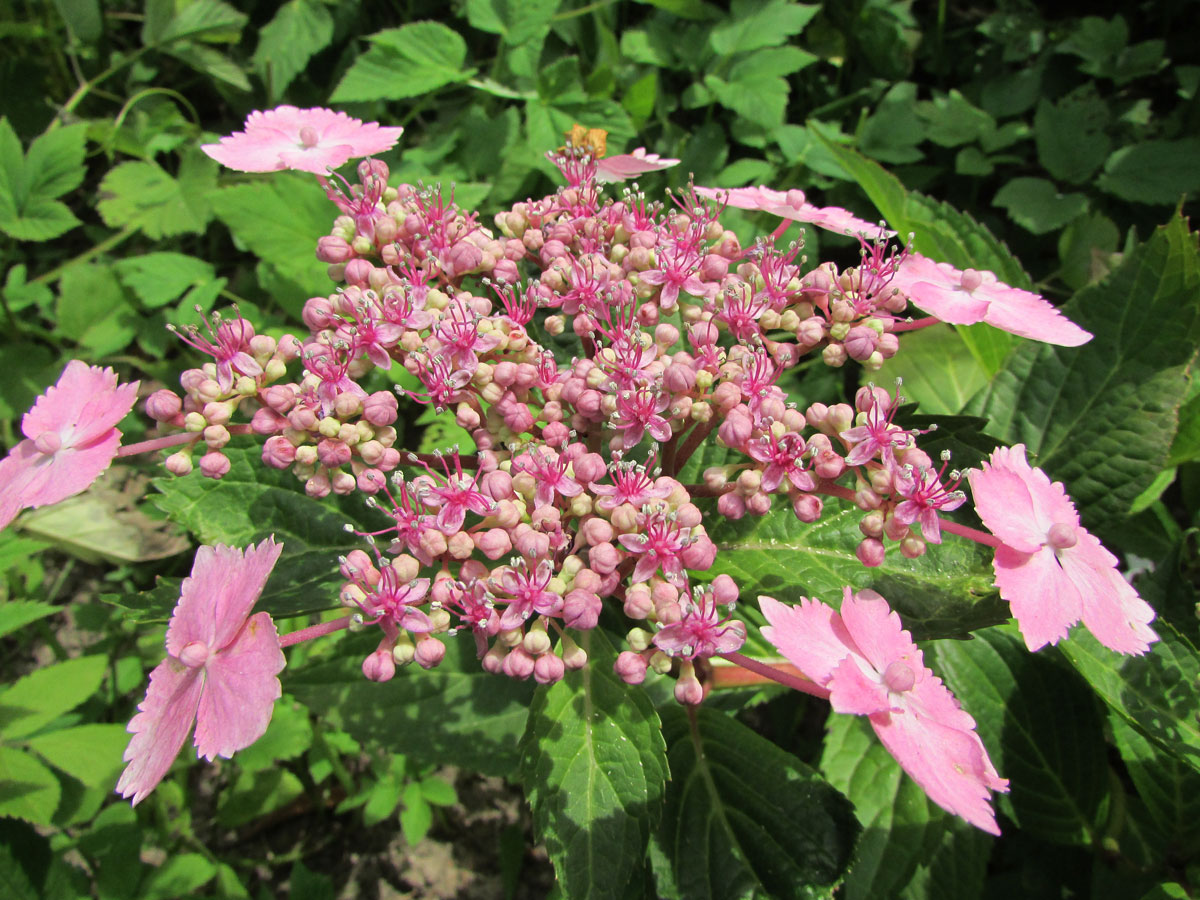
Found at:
<point>214,464</point>
<point>379,666</point>
<point>430,651</point>
<point>630,667</point>
<point>163,405</point>
<point>179,463</point>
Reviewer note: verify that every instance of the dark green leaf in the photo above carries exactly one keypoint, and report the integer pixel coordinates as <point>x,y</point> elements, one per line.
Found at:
<point>1041,728</point>
<point>754,24</point>
<point>951,120</point>
<point>1153,171</point>
<point>1169,788</point>
<point>1070,137</point>
<point>16,614</point>
<point>744,818</point>
<point>516,20</point>
<point>28,790</point>
<point>54,164</point>
<point>901,826</point>
<point>594,766</point>
<point>94,310</point>
<point>409,61</point>
<point>160,278</point>
<point>948,591</point>
<point>456,714</point>
<point>1101,417</point>
<point>958,868</point>
<point>1038,206</point>
<point>939,370</point>
<point>299,30</point>
<point>90,753</point>
<point>37,699</point>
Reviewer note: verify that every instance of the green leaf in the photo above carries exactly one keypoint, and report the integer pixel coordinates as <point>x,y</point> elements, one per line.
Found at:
<point>894,129</point>
<point>1169,788</point>
<point>594,767</point>
<point>161,278</point>
<point>1157,693</point>
<point>902,827</point>
<point>213,63</point>
<point>28,790</point>
<point>958,869</point>
<point>180,876</point>
<point>948,591</point>
<point>39,220</point>
<point>1041,728</point>
<point>753,25</point>
<point>408,61</point>
<point>1153,171</point>
<point>143,195</point>
<point>1038,206</point>
<point>252,502</point>
<point>91,753</point>
<point>417,816</point>
<point>299,30</point>
<point>280,220</point>
<point>24,860</point>
<point>756,87</point>
<point>744,818</point>
<point>37,699</point>
<point>1086,249</point>
<point>952,120</point>
<point>517,21</point>
<point>1101,417</point>
<point>16,614</point>
<point>438,791</point>
<point>1070,137</point>
<point>939,370</point>
<point>102,524</point>
<point>255,794</point>
<point>54,164</point>
<point>1186,446</point>
<point>29,183</point>
<point>289,735</point>
<point>93,309</point>
<point>209,20</point>
<point>455,714</point>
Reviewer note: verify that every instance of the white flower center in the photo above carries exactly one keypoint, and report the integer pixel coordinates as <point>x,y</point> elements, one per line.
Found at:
<point>194,654</point>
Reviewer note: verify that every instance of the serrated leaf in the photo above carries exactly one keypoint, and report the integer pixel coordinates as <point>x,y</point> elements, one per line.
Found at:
<point>517,21</point>
<point>37,699</point>
<point>28,790</point>
<point>179,876</point>
<point>91,753</point>
<point>16,614</point>
<point>948,591</point>
<point>756,88</point>
<point>1169,788</point>
<point>1069,134</point>
<point>255,794</point>
<point>1038,206</point>
<point>456,714</point>
<point>594,767</point>
<point>408,61</point>
<point>280,219</point>
<point>1041,728</point>
<point>252,502</point>
<point>54,163</point>
<point>298,31</point>
<point>417,816</point>
<point>901,826</point>
<point>752,25</point>
<point>209,20</point>
<point>289,735</point>
<point>101,524</point>
<point>1153,171</point>
<point>952,120</point>
<point>160,278</point>
<point>1101,417</point>
<point>1157,693</point>
<point>38,220</point>
<point>30,182</point>
<point>958,868</point>
<point>143,195</point>
<point>744,818</point>
<point>93,309</point>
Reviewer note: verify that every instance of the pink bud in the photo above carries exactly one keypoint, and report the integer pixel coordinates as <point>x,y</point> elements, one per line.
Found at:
<point>678,378</point>
<point>596,531</point>
<point>630,667</point>
<point>358,272</point>
<point>688,690</point>
<point>379,666</point>
<point>725,589</point>
<point>829,464</point>
<point>518,663</point>
<point>860,342</point>
<point>807,507</point>
<point>493,543</point>
<point>604,558</point>
<point>737,428</point>
<point>638,602</point>
<point>163,405</point>
<point>333,453</point>
<point>870,552</point>
<point>589,467</point>
<point>581,609</point>
<point>700,553</point>
<point>266,421</point>
<point>731,506</point>
<point>370,481</point>
<point>333,249</point>
<point>430,651</point>
<point>214,464</point>
<point>278,452</point>
<point>179,463</point>
<point>548,669</point>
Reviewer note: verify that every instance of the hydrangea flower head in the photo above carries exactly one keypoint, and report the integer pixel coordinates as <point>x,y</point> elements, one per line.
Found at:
<point>219,672</point>
<point>871,667</point>
<point>793,205</point>
<point>310,140</point>
<point>1049,568</point>
<point>967,297</point>
<point>70,439</point>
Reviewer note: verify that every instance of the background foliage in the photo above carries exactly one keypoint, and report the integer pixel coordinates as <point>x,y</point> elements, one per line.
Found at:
<point>1061,137</point>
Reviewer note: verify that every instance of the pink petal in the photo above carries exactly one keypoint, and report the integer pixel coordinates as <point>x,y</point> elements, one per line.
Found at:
<point>811,636</point>
<point>240,689</point>
<point>160,727</point>
<point>1044,599</point>
<point>40,480</point>
<point>219,594</point>
<point>877,631</point>
<point>950,764</point>
<point>86,399</point>
<point>1032,316</point>
<point>316,159</point>
<point>947,304</point>
<point>1112,609</point>
<point>1005,502</point>
<point>853,691</point>
<point>627,165</point>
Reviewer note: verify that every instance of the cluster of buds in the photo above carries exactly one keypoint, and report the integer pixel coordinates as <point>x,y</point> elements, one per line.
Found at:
<point>572,496</point>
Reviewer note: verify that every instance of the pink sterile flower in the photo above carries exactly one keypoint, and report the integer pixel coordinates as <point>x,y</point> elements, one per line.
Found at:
<point>1050,569</point>
<point>793,205</point>
<point>219,672</point>
<point>70,439</point>
<point>629,165</point>
<point>871,667</point>
<point>967,297</point>
<point>310,140</point>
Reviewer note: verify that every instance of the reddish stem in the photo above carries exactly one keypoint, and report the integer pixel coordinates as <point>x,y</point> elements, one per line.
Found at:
<point>782,673</point>
<point>314,631</point>
<point>834,490</point>
<point>913,325</point>
<point>971,534</point>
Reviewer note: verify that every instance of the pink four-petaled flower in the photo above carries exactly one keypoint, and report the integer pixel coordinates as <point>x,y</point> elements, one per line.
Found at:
<point>70,439</point>
<point>219,672</point>
<point>1049,568</point>
<point>310,140</point>
<point>871,667</point>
